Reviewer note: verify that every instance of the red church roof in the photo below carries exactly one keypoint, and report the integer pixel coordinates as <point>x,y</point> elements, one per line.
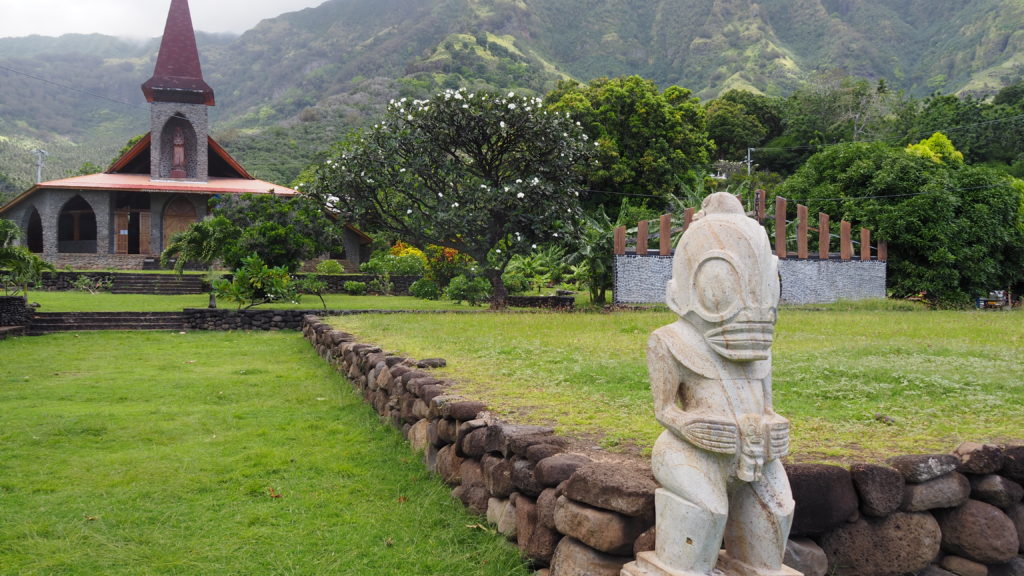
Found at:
<point>178,76</point>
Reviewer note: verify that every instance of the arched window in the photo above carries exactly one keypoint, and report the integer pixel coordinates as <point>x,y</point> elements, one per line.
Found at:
<point>34,232</point>
<point>76,228</point>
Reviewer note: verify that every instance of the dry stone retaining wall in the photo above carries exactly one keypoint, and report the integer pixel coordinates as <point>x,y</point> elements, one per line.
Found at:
<point>577,511</point>
<point>14,311</point>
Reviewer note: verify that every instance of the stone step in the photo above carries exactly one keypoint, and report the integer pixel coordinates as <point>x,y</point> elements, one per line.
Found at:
<point>11,331</point>
<point>161,284</point>
<point>47,323</point>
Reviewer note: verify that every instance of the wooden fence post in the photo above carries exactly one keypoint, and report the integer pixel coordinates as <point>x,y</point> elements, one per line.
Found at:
<point>883,251</point>
<point>665,235</point>
<point>620,240</point>
<point>759,198</point>
<point>641,238</point>
<point>780,227</point>
<point>865,245</point>
<point>824,235</point>
<point>687,218</point>
<point>801,232</point>
<point>845,247</point>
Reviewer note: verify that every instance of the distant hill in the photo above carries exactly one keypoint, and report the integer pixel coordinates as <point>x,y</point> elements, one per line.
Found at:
<point>295,83</point>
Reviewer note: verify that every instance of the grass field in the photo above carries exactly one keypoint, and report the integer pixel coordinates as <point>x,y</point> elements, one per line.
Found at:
<point>213,453</point>
<point>858,384</point>
<point>73,301</point>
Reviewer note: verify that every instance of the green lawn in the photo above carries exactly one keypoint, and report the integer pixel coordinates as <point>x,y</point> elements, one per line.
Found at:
<point>157,453</point>
<point>74,301</point>
<point>858,384</point>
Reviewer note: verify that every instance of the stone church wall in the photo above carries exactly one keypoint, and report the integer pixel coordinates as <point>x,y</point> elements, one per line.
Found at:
<point>574,509</point>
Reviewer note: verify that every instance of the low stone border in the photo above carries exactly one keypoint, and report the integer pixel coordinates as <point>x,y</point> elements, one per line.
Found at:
<point>547,302</point>
<point>575,511</point>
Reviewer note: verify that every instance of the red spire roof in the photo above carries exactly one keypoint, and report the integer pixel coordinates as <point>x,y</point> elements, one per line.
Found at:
<point>178,76</point>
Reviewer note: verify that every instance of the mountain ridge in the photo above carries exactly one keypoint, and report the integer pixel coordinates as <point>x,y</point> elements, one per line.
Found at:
<point>304,78</point>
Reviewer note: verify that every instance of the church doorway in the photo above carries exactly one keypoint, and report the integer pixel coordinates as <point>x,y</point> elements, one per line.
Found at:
<point>178,216</point>
<point>132,223</point>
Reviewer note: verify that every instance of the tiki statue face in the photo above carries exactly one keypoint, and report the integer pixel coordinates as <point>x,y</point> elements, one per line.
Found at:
<point>725,280</point>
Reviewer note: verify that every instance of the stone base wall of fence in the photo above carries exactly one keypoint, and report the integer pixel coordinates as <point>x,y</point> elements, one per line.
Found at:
<point>823,281</point>
<point>642,280</point>
<point>14,311</point>
<point>574,509</point>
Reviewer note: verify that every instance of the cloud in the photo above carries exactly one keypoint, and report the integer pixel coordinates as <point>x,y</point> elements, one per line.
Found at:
<point>134,18</point>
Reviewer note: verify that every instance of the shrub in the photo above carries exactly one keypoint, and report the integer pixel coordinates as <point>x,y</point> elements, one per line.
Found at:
<point>384,263</point>
<point>425,289</point>
<point>473,291</point>
<point>354,288</point>
<point>93,284</point>
<point>329,267</point>
<point>255,283</point>
<point>382,284</point>
<point>443,264</point>
<point>311,284</point>
<point>516,283</point>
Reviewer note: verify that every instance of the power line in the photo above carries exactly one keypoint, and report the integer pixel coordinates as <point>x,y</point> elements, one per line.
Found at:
<point>67,87</point>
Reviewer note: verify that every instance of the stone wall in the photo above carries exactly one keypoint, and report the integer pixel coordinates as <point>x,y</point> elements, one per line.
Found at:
<point>14,311</point>
<point>546,302</point>
<point>98,261</point>
<point>574,509</point>
<point>822,281</point>
<point>62,280</point>
<point>642,280</point>
<point>256,319</point>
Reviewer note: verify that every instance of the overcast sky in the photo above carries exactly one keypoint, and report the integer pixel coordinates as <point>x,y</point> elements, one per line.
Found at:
<point>134,18</point>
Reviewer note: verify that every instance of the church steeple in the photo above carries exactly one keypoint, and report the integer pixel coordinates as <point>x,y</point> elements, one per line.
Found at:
<point>178,100</point>
<point>178,76</point>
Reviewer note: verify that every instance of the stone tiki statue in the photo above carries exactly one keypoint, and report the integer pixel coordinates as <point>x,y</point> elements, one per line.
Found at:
<point>718,458</point>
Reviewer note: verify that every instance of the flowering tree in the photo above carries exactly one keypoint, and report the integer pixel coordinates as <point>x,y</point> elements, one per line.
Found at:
<point>487,174</point>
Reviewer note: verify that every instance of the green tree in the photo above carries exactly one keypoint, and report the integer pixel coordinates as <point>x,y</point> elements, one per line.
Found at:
<point>733,129</point>
<point>955,231</point>
<point>486,174</point>
<point>203,243</point>
<point>651,141</point>
<point>767,109</point>
<point>282,230</point>
<point>938,149</point>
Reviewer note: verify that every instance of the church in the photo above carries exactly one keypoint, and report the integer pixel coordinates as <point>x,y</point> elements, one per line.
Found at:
<point>124,217</point>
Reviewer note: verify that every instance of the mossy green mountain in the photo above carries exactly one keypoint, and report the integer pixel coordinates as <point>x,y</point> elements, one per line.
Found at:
<point>293,84</point>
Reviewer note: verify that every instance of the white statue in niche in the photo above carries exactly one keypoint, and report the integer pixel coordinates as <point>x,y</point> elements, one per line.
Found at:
<point>718,459</point>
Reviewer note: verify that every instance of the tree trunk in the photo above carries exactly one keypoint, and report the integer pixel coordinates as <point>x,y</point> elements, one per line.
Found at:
<point>499,294</point>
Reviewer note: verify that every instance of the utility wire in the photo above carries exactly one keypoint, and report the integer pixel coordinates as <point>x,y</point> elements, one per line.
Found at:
<point>72,88</point>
